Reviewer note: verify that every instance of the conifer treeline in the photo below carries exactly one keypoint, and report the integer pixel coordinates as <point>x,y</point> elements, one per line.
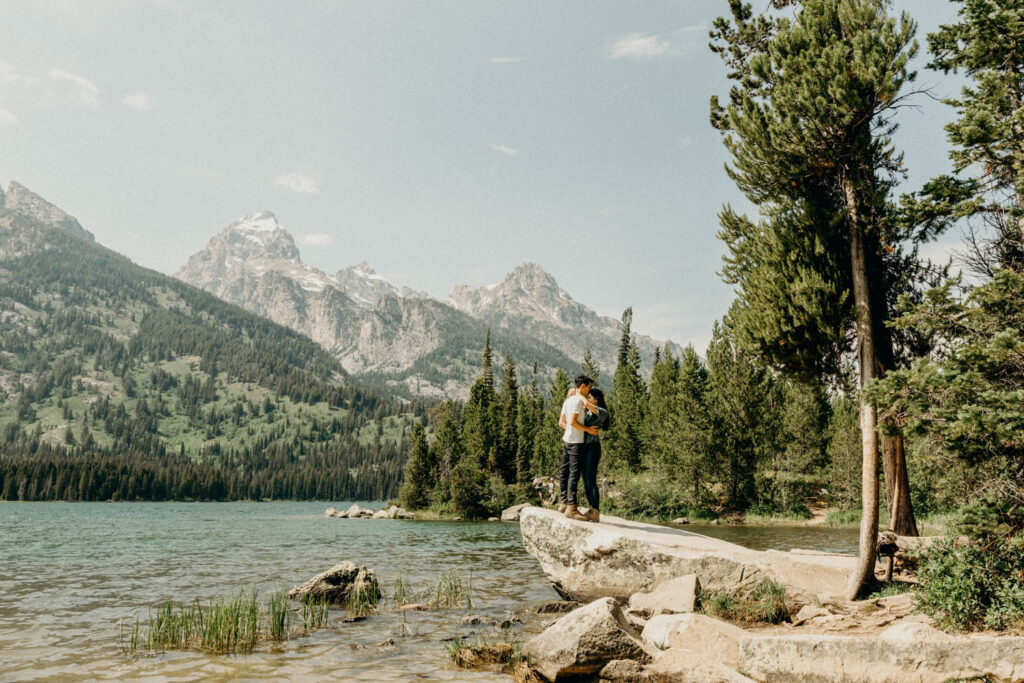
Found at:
<point>723,433</point>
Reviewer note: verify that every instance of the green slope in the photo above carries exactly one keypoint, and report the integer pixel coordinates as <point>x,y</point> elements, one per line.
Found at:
<point>119,382</point>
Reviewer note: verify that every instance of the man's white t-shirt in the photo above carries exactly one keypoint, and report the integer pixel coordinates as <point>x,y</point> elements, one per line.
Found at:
<point>573,406</point>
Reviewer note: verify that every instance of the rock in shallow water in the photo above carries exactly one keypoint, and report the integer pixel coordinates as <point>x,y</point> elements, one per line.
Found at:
<point>337,584</point>
<point>583,641</point>
<point>512,514</point>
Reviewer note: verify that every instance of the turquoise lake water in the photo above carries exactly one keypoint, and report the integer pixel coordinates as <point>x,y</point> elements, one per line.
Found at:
<point>71,572</point>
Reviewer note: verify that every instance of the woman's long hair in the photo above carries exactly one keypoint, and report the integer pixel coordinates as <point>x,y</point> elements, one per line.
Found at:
<point>599,398</point>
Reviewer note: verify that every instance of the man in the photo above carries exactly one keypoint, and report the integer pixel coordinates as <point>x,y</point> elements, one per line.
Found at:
<point>571,420</point>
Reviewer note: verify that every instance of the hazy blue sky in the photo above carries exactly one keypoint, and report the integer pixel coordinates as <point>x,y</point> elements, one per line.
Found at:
<point>444,142</point>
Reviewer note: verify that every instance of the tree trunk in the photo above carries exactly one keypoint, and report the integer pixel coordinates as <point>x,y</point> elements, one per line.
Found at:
<point>864,573</point>
<point>897,486</point>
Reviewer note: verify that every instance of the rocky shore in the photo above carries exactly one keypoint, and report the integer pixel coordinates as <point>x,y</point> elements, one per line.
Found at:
<point>642,584</point>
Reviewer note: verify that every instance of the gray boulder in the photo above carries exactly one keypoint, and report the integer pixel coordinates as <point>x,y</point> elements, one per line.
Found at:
<point>909,652</point>
<point>618,558</point>
<point>512,514</point>
<point>684,666</point>
<point>583,641</point>
<point>337,584</point>
<point>706,638</point>
<point>672,596</point>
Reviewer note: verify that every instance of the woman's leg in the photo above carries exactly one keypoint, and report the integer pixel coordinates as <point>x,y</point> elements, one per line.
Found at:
<point>590,475</point>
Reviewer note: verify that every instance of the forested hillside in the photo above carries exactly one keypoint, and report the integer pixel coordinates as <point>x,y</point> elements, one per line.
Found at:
<point>119,382</point>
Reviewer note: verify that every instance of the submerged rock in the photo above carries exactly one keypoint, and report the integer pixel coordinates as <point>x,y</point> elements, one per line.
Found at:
<point>338,583</point>
<point>618,558</point>
<point>583,641</point>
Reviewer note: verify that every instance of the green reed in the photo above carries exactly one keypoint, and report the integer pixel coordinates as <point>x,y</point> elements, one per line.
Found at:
<point>315,612</point>
<point>279,615</point>
<point>452,592</point>
<point>225,626</point>
<point>363,599</point>
<point>400,592</point>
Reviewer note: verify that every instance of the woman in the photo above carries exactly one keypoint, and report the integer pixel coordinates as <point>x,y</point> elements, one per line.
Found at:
<point>597,417</point>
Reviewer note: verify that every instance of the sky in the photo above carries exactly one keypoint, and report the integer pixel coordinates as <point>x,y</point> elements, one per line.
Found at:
<point>443,142</point>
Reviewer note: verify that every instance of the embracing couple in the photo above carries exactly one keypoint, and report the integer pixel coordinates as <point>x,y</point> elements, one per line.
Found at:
<point>584,413</point>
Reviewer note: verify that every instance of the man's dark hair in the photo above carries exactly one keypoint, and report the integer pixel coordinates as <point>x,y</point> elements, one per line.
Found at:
<point>581,380</point>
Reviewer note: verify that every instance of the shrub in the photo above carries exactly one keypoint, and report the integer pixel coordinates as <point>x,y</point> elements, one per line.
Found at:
<point>975,586</point>
<point>765,604</point>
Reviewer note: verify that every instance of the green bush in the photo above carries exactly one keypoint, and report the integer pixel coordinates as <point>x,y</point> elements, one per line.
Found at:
<point>765,604</point>
<point>649,495</point>
<point>972,587</point>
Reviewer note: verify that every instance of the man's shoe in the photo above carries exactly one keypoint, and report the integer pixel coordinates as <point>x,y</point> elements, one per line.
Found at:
<point>592,515</point>
<point>572,512</point>
<point>561,507</point>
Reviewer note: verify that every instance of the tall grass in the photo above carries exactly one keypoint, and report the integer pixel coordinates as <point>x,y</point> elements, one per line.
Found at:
<point>315,612</point>
<point>765,604</point>
<point>225,626</point>
<point>362,600</point>
<point>452,592</point>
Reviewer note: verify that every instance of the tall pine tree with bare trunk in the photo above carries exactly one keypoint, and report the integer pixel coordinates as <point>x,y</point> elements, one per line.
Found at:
<point>808,125</point>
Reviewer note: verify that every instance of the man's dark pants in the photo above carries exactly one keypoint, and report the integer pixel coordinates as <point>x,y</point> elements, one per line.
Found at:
<point>569,474</point>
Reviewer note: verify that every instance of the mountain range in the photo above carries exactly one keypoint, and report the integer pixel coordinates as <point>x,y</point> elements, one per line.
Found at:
<point>106,365</point>
<point>395,336</point>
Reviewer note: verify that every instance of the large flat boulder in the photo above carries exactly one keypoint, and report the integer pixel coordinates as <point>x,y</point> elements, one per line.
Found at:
<point>906,653</point>
<point>584,640</point>
<point>618,558</point>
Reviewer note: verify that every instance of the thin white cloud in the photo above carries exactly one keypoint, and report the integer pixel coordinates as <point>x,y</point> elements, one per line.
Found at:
<point>7,118</point>
<point>640,46</point>
<point>139,101</point>
<point>297,182</point>
<point>315,239</point>
<point>507,151</point>
<point>505,60</point>
<point>83,92</point>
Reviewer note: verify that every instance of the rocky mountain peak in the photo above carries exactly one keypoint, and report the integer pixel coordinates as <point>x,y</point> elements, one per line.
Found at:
<point>257,235</point>
<point>22,200</point>
<point>364,285</point>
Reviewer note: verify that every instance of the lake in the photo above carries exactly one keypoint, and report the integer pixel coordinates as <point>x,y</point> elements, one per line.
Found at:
<point>71,572</point>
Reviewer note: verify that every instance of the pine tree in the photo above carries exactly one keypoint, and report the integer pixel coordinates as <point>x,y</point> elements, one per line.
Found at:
<point>547,451</point>
<point>696,466</point>
<point>480,425</point>
<point>531,407</point>
<point>627,403</point>
<point>447,449</point>
<point>508,438</point>
<point>487,363</point>
<point>987,43</point>
<point>807,126</point>
<point>420,472</point>
<point>737,393</point>
<point>663,445</point>
<point>590,367</point>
